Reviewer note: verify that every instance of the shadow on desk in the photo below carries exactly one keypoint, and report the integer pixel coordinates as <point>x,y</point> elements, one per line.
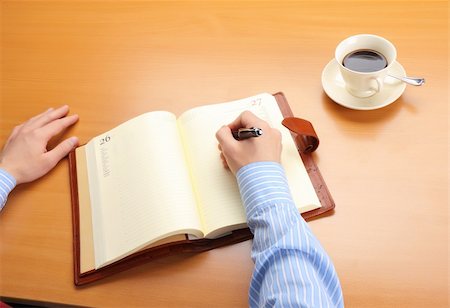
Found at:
<point>7,302</point>
<point>377,116</point>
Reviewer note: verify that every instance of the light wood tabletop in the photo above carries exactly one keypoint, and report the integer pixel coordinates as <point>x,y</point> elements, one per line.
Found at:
<point>387,169</point>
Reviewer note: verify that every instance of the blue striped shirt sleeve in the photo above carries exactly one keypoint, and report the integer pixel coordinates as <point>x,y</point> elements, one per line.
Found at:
<point>7,183</point>
<point>291,267</point>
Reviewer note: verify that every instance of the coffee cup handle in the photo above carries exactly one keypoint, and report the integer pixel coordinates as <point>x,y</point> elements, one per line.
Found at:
<point>379,84</point>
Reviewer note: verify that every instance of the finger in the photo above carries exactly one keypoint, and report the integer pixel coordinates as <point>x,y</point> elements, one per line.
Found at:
<point>224,161</point>
<point>246,119</point>
<point>224,136</point>
<point>33,119</point>
<point>48,117</point>
<point>57,126</point>
<point>61,150</point>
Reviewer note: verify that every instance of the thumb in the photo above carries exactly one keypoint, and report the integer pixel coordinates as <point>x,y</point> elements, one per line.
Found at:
<point>62,149</point>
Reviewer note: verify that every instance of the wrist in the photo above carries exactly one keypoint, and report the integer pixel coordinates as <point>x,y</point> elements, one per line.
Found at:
<point>8,176</point>
<point>9,171</point>
<point>244,167</point>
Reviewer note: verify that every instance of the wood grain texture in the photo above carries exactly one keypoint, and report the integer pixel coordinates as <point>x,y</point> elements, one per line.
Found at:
<point>387,169</point>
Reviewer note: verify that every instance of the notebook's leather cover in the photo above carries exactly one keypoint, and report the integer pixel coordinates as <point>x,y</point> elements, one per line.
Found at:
<point>307,139</point>
<point>192,246</point>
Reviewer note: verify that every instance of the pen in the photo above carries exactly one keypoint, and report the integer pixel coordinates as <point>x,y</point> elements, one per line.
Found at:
<point>244,133</point>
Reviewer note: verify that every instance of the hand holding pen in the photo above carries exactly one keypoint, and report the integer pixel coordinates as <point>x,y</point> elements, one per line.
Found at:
<point>241,151</point>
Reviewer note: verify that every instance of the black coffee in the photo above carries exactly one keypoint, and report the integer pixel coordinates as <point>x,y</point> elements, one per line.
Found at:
<point>365,60</point>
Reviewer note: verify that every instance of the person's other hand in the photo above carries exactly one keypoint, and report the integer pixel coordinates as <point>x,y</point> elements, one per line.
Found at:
<point>25,154</point>
<point>236,154</point>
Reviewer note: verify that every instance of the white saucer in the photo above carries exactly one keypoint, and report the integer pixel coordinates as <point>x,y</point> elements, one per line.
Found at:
<point>334,87</point>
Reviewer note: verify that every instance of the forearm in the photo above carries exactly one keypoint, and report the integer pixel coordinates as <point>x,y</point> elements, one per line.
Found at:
<point>291,267</point>
<point>7,183</point>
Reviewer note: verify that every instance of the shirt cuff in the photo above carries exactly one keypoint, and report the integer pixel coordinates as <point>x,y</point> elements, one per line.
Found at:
<point>262,184</point>
<point>7,184</point>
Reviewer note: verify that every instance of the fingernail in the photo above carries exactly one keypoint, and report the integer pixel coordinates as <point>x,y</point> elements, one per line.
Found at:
<point>73,141</point>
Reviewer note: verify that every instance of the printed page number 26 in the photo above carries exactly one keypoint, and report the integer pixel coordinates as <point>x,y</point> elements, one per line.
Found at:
<point>105,139</point>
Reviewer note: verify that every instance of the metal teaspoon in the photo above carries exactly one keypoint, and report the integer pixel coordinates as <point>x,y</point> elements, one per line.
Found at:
<point>410,80</point>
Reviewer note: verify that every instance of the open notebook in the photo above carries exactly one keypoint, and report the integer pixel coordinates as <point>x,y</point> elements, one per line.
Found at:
<point>155,185</point>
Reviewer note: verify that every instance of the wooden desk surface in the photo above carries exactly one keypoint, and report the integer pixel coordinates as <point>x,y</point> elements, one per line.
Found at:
<point>387,169</point>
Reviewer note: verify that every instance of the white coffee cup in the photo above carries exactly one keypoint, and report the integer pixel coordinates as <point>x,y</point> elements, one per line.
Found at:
<point>359,83</point>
